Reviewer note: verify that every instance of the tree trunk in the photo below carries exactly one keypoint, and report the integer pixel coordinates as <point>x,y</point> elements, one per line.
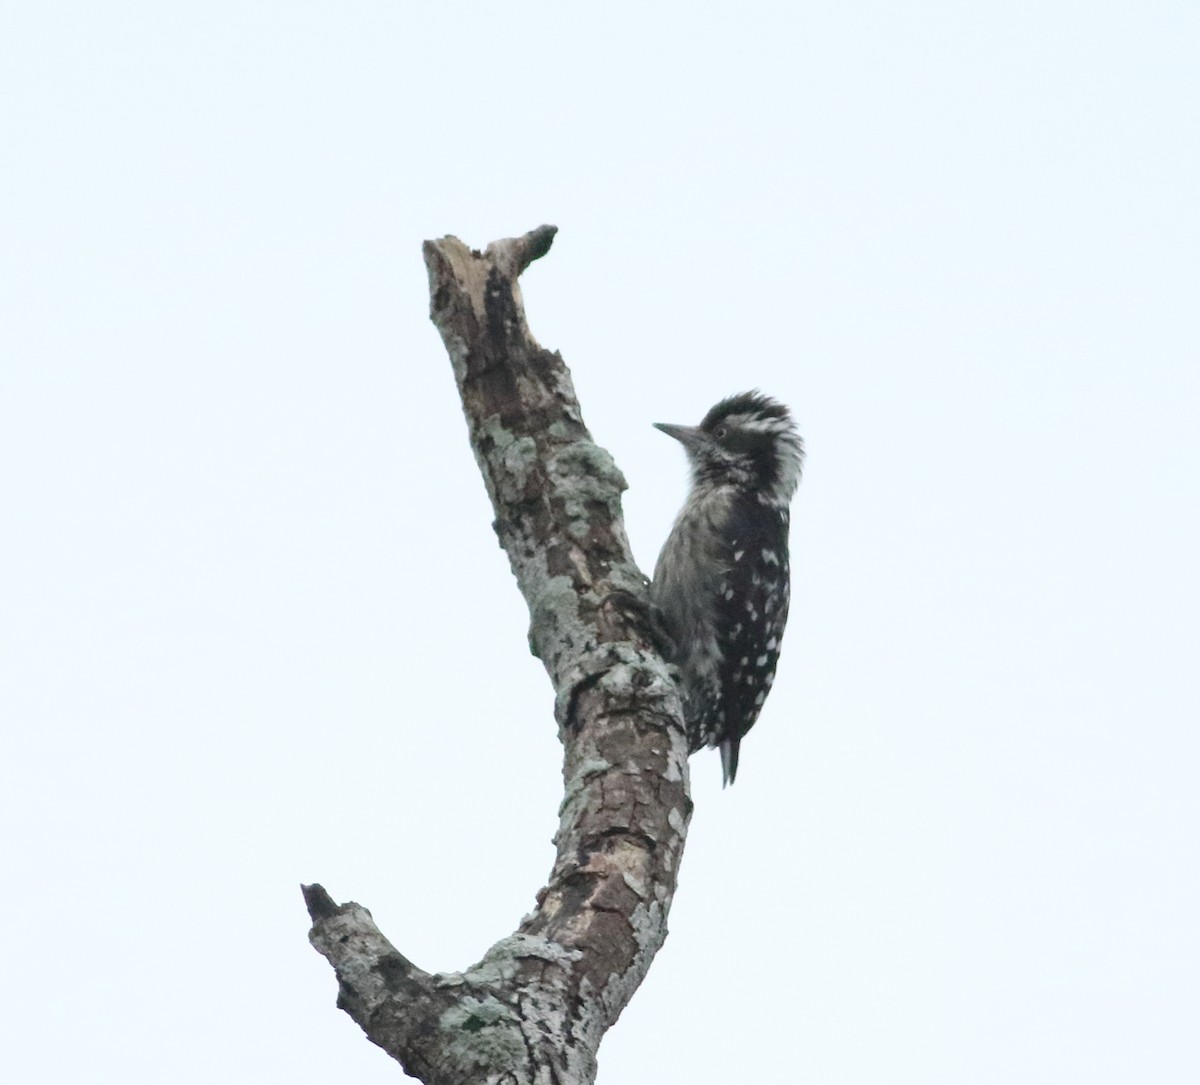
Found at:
<point>535,1008</point>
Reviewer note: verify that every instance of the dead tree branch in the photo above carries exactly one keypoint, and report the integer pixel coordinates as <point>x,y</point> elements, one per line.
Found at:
<point>534,1009</point>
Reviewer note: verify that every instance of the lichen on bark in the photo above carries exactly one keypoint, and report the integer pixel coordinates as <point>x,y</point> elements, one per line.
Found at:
<point>536,1006</point>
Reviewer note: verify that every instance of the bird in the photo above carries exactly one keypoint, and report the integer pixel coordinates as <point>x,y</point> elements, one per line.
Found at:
<point>721,583</point>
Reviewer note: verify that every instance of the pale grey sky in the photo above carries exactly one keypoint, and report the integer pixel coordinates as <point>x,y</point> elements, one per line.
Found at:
<point>256,629</point>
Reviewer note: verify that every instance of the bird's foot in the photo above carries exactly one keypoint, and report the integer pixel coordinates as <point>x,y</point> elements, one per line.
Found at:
<point>647,615</point>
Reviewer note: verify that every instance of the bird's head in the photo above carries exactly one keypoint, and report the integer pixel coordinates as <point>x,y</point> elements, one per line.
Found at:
<point>748,441</point>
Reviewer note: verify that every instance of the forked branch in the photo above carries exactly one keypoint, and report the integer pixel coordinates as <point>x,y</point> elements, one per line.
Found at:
<point>535,1008</point>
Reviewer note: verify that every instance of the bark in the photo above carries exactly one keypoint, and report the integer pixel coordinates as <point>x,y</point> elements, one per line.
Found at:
<point>535,1008</point>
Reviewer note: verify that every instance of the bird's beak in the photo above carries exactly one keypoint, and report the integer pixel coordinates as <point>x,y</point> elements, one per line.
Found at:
<point>688,436</point>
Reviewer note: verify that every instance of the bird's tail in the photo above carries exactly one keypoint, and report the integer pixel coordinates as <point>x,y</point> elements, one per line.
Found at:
<point>729,759</point>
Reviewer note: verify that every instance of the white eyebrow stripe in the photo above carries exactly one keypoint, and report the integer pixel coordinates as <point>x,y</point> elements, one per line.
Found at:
<point>766,425</point>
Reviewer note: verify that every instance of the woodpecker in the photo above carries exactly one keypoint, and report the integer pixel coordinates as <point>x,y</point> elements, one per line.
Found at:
<point>721,582</point>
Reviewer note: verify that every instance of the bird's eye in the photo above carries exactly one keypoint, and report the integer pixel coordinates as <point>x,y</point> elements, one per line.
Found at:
<point>721,432</point>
